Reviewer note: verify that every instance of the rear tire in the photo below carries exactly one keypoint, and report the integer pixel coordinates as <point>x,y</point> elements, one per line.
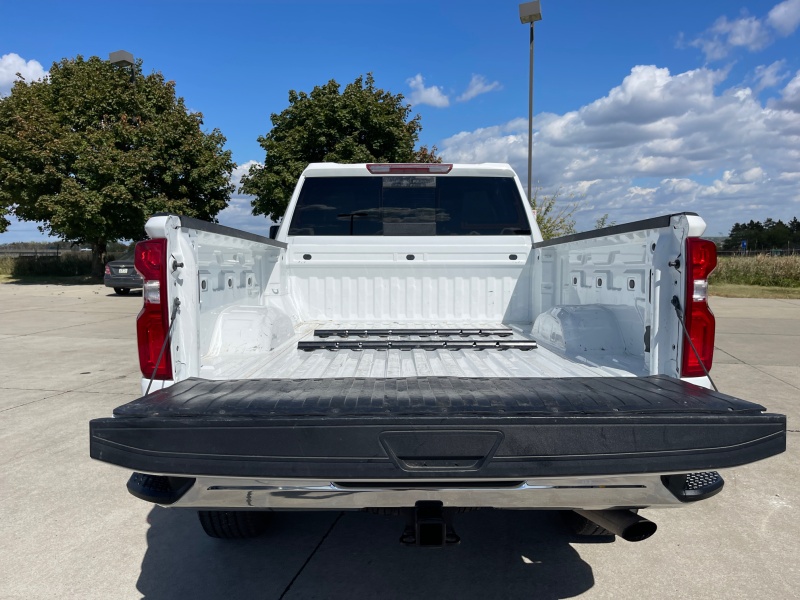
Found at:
<point>122,291</point>
<point>233,524</point>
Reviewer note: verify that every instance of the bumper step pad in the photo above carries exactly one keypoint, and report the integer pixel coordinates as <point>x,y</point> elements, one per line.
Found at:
<point>691,487</point>
<point>158,489</point>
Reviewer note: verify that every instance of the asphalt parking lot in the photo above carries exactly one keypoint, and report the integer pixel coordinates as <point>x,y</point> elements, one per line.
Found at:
<point>70,530</point>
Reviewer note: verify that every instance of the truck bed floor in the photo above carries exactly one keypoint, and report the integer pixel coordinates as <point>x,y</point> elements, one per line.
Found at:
<point>290,363</point>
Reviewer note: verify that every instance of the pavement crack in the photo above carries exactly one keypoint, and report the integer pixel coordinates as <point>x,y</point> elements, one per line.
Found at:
<point>46,331</point>
<point>775,377</point>
<point>310,556</point>
<point>786,301</point>
<point>33,401</point>
<point>757,368</point>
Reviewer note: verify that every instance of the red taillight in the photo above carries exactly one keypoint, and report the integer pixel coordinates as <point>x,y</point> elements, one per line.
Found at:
<point>409,168</point>
<point>701,259</point>
<point>152,324</point>
<point>151,259</point>
<point>108,269</point>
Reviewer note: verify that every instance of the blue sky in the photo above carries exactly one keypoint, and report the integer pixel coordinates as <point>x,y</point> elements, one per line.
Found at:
<point>641,108</point>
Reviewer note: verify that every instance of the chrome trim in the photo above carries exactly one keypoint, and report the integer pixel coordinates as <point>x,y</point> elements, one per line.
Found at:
<point>593,493</point>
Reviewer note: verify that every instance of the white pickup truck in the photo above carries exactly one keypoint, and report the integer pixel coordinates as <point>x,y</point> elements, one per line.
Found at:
<point>408,343</point>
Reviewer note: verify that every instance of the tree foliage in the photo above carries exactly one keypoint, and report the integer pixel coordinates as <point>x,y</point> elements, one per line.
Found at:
<point>764,236</point>
<point>95,149</point>
<point>554,215</point>
<point>604,221</point>
<point>360,124</point>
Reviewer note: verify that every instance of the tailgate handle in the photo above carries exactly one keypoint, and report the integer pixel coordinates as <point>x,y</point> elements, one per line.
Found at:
<point>442,450</point>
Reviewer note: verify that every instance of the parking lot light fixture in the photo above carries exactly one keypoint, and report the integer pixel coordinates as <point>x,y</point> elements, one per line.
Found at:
<point>123,58</point>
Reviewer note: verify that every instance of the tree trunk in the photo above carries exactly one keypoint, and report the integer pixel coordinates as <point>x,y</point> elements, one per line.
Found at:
<point>98,258</point>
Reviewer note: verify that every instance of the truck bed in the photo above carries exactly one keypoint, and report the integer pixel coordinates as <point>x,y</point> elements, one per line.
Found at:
<point>435,428</point>
<point>287,362</point>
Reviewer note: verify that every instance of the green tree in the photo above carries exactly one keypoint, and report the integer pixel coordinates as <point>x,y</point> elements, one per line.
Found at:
<point>360,124</point>
<point>768,235</point>
<point>4,222</point>
<point>554,216</point>
<point>95,149</point>
<point>604,221</point>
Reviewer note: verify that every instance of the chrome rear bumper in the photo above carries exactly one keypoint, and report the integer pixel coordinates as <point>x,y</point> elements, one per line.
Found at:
<point>594,493</point>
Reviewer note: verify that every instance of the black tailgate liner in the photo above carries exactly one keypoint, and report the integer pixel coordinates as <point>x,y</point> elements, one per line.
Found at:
<point>422,427</point>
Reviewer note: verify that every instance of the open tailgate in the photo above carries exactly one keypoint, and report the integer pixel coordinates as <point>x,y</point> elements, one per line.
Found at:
<point>435,427</point>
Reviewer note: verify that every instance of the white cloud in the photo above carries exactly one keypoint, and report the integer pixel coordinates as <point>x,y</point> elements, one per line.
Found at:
<point>477,86</point>
<point>785,17</point>
<point>649,94</point>
<point>767,76</point>
<point>660,143</point>
<point>238,213</point>
<point>724,35</point>
<point>432,95</point>
<point>747,31</point>
<point>790,96</point>
<point>11,64</point>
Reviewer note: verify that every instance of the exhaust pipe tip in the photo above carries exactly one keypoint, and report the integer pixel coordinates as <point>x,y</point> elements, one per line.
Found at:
<point>639,531</point>
<point>626,524</point>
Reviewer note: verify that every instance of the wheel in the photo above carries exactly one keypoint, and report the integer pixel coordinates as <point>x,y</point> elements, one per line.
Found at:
<point>233,524</point>
<point>122,291</point>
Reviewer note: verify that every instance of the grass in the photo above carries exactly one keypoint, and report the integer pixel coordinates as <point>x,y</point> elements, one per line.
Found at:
<point>761,270</point>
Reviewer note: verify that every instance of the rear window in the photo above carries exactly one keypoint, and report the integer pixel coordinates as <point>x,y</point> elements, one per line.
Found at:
<point>409,205</point>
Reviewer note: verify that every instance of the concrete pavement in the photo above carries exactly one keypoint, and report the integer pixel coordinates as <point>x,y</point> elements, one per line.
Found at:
<point>70,530</point>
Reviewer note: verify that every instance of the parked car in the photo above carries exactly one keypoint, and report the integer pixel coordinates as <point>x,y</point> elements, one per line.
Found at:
<point>121,275</point>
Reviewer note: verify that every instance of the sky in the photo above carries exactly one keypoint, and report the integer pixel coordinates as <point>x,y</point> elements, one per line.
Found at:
<point>641,108</point>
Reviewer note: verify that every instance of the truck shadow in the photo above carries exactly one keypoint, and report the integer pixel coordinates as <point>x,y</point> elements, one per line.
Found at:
<point>504,554</point>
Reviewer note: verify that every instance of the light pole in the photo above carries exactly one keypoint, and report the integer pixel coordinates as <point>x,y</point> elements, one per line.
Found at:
<point>530,12</point>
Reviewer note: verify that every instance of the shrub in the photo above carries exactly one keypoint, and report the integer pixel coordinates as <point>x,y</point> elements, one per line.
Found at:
<point>68,264</point>
<point>6,265</point>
